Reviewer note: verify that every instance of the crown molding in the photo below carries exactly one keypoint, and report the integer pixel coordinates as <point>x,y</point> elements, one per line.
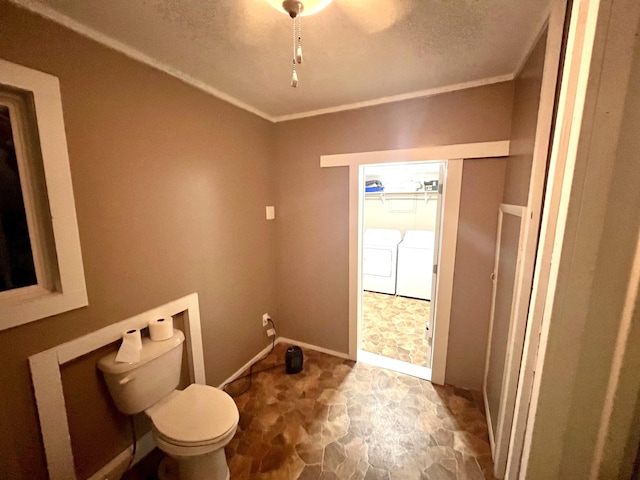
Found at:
<point>398,98</point>
<point>110,42</point>
<point>66,21</point>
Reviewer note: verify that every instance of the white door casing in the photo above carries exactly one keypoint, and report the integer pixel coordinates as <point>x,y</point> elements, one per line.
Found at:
<point>506,332</point>
<point>455,153</point>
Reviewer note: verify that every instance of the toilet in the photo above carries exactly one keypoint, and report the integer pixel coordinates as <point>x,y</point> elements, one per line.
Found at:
<point>192,425</point>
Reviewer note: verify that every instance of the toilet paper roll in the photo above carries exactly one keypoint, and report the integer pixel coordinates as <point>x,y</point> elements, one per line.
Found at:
<point>161,329</point>
<point>131,347</point>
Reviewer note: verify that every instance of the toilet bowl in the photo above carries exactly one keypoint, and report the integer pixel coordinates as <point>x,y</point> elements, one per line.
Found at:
<point>192,425</point>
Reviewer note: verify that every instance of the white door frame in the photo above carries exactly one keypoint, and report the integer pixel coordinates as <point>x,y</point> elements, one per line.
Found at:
<point>436,245</point>
<point>594,88</point>
<point>532,225</point>
<point>453,155</point>
<point>511,370</point>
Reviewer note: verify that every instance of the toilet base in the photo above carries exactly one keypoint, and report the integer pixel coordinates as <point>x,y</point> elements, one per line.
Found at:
<point>210,466</point>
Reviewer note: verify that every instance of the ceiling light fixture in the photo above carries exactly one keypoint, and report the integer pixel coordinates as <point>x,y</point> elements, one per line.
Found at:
<point>296,9</point>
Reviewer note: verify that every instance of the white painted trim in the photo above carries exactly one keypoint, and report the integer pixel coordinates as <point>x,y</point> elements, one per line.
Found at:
<point>47,12</point>
<point>515,210</point>
<point>555,32</point>
<point>561,170</point>
<point>487,414</point>
<point>118,465</point>
<point>420,154</point>
<point>71,292</point>
<point>313,347</point>
<point>406,368</point>
<point>594,85</point>
<point>356,222</point>
<point>195,350</point>
<point>499,440</point>
<point>135,54</point>
<point>246,366</point>
<point>262,353</point>
<point>54,425</point>
<point>447,261</point>
<point>47,383</point>
<point>446,266</point>
<point>189,305</point>
<point>455,154</point>
<point>517,324</point>
<point>492,309</point>
<point>429,92</point>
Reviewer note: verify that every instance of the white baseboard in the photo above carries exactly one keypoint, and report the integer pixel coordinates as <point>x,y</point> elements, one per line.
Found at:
<point>266,349</point>
<point>116,467</point>
<point>243,368</point>
<point>314,347</point>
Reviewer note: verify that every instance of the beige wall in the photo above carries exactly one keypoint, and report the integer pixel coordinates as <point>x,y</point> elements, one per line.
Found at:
<point>482,189</point>
<point>312,243</point>
<point>526,100</point>
<point>170,187</point>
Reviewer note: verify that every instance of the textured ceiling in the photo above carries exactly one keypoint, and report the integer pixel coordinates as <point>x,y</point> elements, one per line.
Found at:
<point>354,50</point>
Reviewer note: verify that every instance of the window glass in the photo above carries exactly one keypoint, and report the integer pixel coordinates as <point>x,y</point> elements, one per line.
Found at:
<point>17,267</point>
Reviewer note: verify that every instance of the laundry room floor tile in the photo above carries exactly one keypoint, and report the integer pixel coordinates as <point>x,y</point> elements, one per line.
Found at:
<point>394,327</point>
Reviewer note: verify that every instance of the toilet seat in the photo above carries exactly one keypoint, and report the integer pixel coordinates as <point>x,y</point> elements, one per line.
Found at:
<point>197,416</point>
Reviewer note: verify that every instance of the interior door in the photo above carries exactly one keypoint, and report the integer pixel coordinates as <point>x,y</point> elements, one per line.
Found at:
<point>499,394</point>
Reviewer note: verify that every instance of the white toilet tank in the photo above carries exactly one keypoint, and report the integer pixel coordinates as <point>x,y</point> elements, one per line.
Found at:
<point>134,387</point>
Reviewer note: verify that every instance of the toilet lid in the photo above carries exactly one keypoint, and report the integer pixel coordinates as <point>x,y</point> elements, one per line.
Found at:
<point>197,414</point>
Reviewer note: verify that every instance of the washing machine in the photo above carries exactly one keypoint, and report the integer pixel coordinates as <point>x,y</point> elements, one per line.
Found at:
<point>415,264</point>
<point>379,259</point>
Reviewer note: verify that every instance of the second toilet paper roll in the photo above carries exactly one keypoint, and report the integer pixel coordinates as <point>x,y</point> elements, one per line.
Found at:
<point>161,329</point>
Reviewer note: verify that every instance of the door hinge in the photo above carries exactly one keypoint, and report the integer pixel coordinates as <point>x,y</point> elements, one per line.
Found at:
<point>440,189</point>
<point>435,269</point>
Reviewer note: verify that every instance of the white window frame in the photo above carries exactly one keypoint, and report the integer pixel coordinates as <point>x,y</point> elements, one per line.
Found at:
<point>57,256</point>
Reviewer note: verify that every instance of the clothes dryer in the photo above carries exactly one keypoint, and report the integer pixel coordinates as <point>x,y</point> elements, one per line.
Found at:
<point>379,259</point>
<point>415,264</point>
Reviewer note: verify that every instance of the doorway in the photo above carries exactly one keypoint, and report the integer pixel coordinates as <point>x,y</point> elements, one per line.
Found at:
<point>454,155</point>
<point>401,215</point>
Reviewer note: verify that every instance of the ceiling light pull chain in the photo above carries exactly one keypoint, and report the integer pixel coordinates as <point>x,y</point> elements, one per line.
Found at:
<point>294,75</point>
<point>299,49</point>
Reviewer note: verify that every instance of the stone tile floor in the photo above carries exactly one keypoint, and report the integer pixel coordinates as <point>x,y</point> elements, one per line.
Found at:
<point>394,327</point>
<point>350,421</point>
